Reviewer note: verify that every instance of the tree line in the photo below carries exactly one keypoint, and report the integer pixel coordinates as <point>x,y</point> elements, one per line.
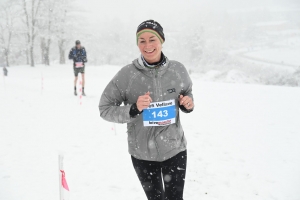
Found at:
<point>27,26</point>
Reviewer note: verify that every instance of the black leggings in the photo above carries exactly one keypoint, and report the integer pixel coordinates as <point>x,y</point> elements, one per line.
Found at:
<point>172,171</point>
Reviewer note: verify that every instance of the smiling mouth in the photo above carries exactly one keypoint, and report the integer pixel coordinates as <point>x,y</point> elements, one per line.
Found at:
<point>150,51</point>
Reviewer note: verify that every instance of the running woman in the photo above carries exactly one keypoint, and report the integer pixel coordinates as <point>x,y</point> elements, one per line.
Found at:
<point>153,90</point>
<point>78,55</point>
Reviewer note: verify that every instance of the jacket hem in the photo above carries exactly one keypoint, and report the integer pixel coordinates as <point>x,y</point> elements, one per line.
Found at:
<point>162,158</point>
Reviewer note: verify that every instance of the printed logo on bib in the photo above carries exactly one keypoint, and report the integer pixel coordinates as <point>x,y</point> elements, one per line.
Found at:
<point>161,113</point>
<point>79,64</point>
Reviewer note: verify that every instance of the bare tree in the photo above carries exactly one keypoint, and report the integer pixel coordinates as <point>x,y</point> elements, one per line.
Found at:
<point>45,21</point>
<point>62,40</point>
<point>28,30</point>
<point>7,27</point>
<point>51,10</point>
<point>31,16</point>
<point>67,21</point>
<point>53,26</point>
<point>43,46</point>
<point>61,30</point>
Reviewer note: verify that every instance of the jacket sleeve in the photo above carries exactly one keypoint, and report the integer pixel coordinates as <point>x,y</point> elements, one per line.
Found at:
<point>187,89</point>
<point>84,56</point>
<point>110,103</point>
<point>71,56</point>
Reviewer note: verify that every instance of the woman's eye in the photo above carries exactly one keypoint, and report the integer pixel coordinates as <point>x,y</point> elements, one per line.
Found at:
<point>142,41</point>
<point>152,40</point>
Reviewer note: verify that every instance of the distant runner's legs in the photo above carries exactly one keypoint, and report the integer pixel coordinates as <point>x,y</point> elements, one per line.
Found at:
<point>75,80</point>
<point>76,72</point>
<point>83,82</point>
<point>83,79</point>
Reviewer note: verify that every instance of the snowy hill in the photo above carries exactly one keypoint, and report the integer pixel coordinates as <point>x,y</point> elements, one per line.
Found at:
<point>243,139</point>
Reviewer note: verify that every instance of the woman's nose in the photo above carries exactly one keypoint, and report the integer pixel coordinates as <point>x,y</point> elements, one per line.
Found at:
<point>147,44</point>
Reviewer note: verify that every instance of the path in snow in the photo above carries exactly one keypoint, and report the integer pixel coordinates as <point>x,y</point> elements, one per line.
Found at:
<point>243,140</point>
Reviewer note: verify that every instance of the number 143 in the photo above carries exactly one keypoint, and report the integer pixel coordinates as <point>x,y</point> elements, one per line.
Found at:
<point>162,113</point>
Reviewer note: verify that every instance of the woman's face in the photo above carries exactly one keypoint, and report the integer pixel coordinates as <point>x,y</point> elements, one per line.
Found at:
<point>150,47</point>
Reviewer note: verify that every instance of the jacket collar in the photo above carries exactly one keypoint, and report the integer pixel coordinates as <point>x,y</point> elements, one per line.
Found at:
<point>151,72</point>
<point>138,63</point>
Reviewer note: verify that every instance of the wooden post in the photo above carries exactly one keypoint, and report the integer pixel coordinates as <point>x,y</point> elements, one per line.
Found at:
<point>60,167</point>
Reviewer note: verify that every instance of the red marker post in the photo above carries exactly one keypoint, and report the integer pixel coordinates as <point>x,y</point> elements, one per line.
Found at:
<point>63,186</point>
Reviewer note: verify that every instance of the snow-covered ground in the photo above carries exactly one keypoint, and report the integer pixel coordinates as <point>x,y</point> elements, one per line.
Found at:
<point>243,140</point>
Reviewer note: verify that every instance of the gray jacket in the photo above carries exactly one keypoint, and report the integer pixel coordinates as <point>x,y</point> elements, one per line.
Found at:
<point>154,143</point>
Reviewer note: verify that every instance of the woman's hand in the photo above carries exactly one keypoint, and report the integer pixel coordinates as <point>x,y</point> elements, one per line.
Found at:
<point>186,101</point>
<point>143,101</point>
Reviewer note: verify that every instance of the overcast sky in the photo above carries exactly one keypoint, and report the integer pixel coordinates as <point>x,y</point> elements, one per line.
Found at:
<point>176,16</point>
<point>150,8</point>
<point>163,11</point>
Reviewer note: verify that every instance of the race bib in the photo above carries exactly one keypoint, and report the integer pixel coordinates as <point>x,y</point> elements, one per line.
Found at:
<point>161,113</point>
<point>79,64</point>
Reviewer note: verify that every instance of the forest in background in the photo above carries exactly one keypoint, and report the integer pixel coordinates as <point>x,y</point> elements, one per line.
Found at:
<point>204,39</point>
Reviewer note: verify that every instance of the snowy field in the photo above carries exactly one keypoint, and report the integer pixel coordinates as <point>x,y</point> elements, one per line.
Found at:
<point>286,56</point>
<point>243,140</point>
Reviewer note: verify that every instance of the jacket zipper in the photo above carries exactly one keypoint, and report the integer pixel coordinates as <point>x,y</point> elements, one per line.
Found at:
<point>156,93</point>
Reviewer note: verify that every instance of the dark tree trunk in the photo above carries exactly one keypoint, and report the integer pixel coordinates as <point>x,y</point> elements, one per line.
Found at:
<point>27,56</point>
<point>6,57</point>
<point>47,52</point>
<point>27,49</point>
<point>28,30</point>
<point>61,46</point>
<point>32,35</point>
<point>31,55</point>
<point>43,44</point>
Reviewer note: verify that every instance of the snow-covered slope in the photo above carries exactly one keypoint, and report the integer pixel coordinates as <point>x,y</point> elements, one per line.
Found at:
<point>284,56</point>
<point>243,140</point>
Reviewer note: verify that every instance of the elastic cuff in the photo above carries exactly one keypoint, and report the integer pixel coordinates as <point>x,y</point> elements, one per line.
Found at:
<point>134,111</point>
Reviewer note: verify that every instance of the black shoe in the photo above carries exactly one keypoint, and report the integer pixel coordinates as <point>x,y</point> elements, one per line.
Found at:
<point>75,92</point>
<point>83,94</point>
